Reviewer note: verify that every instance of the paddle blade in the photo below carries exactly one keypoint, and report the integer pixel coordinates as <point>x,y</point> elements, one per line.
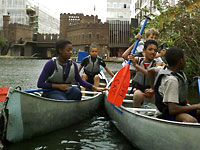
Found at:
<point>3,93</point>
<point>119,86</point>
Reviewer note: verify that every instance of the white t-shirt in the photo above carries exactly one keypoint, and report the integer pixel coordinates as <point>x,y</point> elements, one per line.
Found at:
<point>168,88</point>
<point>130,67</point>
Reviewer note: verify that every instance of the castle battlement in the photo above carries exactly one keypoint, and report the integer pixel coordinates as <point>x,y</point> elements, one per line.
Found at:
<point>47,37</point>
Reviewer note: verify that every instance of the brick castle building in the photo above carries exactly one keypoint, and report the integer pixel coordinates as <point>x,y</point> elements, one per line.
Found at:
<point>83,30</point>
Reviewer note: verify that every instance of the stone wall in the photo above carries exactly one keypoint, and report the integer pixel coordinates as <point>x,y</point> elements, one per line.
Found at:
<point>17,31</point>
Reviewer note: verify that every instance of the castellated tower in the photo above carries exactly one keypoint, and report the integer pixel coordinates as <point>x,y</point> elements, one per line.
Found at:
<point>83,30</point>
<point>6,20</point>
<point>64,23</point>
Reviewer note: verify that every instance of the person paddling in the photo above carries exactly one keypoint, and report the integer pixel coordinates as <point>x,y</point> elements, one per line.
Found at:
<point>170,89</point>
<point>140,82</point>
<point>60,73</point>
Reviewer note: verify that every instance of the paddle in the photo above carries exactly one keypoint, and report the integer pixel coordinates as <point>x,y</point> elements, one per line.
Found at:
<point>198,83</point>
<point>37,90</point>
<point>3,93</point>
<point>120,84</point>
<point>42,90</point>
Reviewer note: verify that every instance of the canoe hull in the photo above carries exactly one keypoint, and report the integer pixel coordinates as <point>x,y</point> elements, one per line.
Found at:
<point>30,115</point>
<point>149,133</point>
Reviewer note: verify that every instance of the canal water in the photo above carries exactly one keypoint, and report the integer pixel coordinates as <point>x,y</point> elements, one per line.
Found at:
<point>97,133</point>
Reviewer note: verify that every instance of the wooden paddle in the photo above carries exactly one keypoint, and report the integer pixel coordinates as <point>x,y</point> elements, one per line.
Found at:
<point>121,81</point>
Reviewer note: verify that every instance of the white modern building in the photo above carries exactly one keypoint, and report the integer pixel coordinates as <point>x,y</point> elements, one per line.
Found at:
<point>30,13</point>
<point>119,10</point>
<point>119,19</point>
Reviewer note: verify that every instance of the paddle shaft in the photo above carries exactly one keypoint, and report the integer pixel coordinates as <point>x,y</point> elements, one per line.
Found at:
<point>138,40</point>
<point>120,83</point>
<point>198,81</point>
<point>42,90</point>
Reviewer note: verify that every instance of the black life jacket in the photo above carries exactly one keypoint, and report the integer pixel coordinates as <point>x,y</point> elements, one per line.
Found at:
<point>183,88</point>
<point>140,81</point>
<point>92,68</point>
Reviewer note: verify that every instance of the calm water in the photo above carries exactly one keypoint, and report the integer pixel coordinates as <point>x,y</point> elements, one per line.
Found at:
<point>96,133</point>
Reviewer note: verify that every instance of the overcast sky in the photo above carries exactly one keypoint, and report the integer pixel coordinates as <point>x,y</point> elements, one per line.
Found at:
<point>77,6</point>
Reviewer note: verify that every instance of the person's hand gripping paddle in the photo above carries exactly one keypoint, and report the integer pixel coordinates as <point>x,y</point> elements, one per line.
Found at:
<point>121,81</point>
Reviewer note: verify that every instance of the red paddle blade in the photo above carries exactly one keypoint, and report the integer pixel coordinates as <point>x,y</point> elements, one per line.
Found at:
<point>119,86</point>
<point>3,93</point>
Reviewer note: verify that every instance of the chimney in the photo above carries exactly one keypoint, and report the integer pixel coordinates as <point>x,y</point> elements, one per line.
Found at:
<point>6,20</point>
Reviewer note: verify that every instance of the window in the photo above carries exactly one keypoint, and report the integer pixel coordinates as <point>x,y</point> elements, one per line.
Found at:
<point>124,5</point>
<point>89,35</point>
<point>83,36</point>
<point>98,35</point>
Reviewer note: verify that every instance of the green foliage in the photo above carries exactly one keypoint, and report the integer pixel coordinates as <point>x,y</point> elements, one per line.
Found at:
<point>2,42</point>
<point>179,26</point>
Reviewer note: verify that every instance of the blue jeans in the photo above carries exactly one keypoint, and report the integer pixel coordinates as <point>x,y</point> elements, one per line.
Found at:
<point>73,93</point>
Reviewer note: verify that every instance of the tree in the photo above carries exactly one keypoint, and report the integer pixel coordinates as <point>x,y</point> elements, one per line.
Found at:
<point>2,42</point>
<point>179,26</point>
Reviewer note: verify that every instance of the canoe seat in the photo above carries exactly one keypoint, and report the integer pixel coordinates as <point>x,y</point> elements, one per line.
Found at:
<point>148,112</point>
<point>129,96</point>
<point>86,97</point>
<point>102,84</point>
<point>128,101</point>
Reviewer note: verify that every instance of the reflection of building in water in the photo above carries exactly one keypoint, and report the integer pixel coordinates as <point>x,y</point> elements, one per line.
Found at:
<point>28,12</point>
<point>83,30</point>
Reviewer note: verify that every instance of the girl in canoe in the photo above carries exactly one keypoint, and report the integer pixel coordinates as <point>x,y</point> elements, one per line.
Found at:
<point>140,81</point>
<point>60,73</point>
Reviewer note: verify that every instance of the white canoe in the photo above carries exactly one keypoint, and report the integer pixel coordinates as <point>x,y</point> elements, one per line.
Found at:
<point>28,115</point>
<point>150,133</point>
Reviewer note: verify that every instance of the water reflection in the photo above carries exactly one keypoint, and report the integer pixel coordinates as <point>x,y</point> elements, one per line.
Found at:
<point>97,133</point>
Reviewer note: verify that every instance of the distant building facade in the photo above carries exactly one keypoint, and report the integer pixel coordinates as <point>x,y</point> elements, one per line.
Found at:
<point>83,30</point>
<point>28,12</point>
<point>17,34</point>
<point>119,19</point>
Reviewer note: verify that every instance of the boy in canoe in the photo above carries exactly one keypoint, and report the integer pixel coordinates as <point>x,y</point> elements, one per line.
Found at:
<point>91,65</point>
<point>150,34</point>
<point>140,81</point>
<point>170,89</point>
<point>59,73</point>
